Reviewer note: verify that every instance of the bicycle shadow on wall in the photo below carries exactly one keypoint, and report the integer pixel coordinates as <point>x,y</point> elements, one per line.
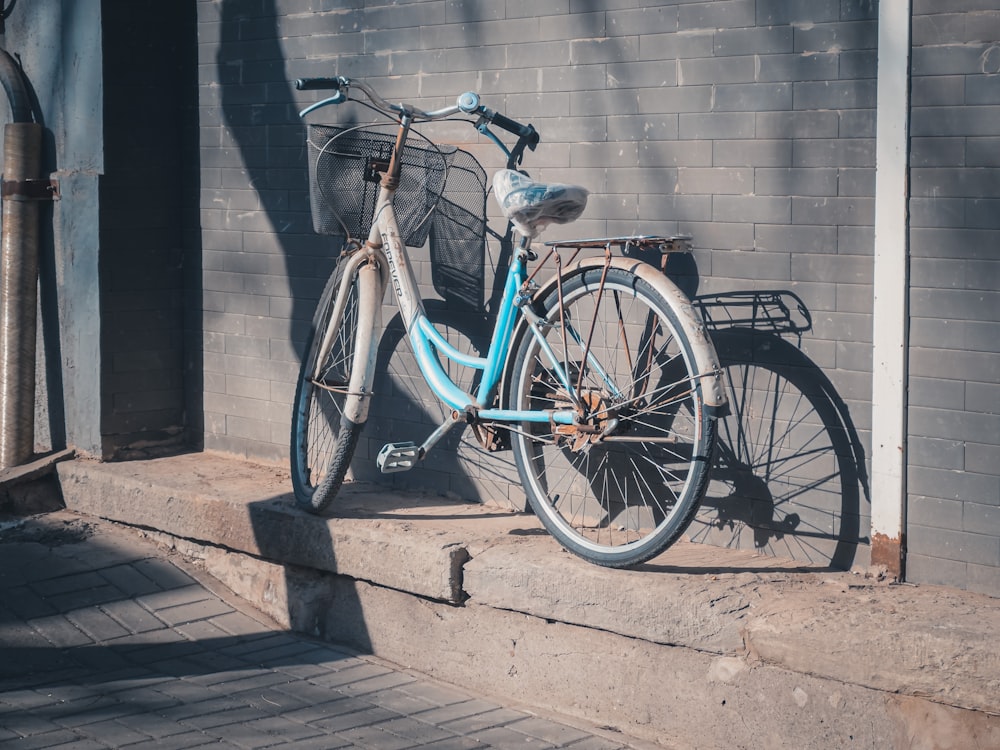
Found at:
<point>789,478</point>
<point>269,139</point>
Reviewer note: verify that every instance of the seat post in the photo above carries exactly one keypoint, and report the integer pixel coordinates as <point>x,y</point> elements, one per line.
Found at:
<point>524,252</point>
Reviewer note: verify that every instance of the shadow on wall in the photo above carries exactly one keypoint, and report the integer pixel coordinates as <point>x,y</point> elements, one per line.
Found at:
<point>789,476</point>
<point>260,115</point>
<point>50,409</point>
<point>259,112</point>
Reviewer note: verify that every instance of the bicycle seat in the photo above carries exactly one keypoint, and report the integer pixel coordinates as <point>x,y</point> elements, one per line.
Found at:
<point>531,206</point>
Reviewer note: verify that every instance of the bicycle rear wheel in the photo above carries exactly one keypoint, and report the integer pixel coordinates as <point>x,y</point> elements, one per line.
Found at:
<point>622,484</point>
<point>334,386</point>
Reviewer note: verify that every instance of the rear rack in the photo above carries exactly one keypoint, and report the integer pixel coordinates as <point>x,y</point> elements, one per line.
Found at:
<point>676,243</point>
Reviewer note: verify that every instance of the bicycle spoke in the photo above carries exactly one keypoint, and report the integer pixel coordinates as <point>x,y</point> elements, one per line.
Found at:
<point>321,447</point>
<point>623,480</point>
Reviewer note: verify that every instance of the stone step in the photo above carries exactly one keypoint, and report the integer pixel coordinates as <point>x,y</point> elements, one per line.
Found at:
<point>484,597</point>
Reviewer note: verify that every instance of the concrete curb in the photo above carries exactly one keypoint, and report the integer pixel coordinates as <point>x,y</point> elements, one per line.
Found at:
<point>758,640</point>
<point>928,642</point>
<point>246,508</point>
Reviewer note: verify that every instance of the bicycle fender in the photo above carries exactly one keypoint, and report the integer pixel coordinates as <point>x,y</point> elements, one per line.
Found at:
<point>706,359</point>
<point>370,292</point>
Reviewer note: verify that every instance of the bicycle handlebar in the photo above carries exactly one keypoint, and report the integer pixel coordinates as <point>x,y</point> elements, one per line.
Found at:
<point>317,84</point>
<point>468,103</point>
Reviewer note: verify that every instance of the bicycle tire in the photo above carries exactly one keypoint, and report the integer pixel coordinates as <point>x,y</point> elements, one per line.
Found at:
<point>323,436</point>
<point>621,493</point>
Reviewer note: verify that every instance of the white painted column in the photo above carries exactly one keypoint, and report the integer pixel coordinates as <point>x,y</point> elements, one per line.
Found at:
<point>891,287</point>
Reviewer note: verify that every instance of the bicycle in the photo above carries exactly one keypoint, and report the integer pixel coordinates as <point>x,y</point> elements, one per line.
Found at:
<point>602,380</point>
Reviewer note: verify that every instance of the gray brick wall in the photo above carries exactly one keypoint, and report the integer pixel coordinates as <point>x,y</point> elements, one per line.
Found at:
<point>746,123</point>
<point>953,477</point>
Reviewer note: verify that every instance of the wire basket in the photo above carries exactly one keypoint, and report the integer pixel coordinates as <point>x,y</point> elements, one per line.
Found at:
<point>458,234</point>
<point>441,193</point>
<point>344,181</point>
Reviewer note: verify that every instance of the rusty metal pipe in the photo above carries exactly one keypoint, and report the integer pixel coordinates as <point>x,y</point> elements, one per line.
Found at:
<point>18,271</point>
<point>18,293</point>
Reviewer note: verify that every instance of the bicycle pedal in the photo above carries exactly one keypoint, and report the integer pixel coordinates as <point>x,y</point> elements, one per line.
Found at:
<point>398,457</point>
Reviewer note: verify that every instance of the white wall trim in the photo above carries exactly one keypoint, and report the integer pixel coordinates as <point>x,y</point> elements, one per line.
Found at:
<point>891,279</point>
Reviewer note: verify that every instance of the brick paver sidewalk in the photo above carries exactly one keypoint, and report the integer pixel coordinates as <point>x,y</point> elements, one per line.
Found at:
<point>107,643</point>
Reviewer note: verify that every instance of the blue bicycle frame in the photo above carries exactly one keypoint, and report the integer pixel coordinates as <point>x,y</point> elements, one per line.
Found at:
<point>386,251</point>
<point>427,341</point>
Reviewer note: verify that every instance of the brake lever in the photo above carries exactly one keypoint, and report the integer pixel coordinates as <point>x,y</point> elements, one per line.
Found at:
<point>337,98</point>
<point>483,127</point>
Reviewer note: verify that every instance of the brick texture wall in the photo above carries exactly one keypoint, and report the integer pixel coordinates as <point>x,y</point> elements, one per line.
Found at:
<point>746,123</point>
<point>953,522</point>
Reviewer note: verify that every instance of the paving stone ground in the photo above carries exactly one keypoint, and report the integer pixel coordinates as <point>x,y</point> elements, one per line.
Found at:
<point>106,641</point>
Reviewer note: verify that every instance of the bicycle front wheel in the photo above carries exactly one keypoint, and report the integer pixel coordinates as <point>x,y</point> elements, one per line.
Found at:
<point>334,385</point>
<point>622,483</point>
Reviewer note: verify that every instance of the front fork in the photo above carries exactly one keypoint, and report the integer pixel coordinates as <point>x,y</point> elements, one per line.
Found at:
<point>370,280</point>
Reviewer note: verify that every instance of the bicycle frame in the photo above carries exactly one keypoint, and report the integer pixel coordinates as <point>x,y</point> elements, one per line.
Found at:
<point>601,380</point>
<point>387,248</point>
<point>386,251</point>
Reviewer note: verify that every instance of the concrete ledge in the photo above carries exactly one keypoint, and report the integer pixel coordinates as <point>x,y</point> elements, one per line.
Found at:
<point>247,508</point>
<point>32,487</point>
<point>35,469</point>
<point>923,641</point>
<point>804,657</point>
<point>670,610</point>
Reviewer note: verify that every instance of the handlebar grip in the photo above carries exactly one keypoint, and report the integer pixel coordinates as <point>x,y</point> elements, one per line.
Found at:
<point>511,126</point>
<point>317,84</point>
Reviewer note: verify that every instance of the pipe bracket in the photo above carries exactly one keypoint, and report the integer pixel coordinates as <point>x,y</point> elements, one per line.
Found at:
<point>43,189</point>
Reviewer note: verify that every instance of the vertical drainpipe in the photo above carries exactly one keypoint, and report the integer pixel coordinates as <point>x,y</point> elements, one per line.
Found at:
<point>890,310</point>
<point>21,191</point>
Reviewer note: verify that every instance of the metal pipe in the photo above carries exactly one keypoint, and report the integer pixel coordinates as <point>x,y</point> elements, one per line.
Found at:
<point>18,293</point>
<point>18,270</point>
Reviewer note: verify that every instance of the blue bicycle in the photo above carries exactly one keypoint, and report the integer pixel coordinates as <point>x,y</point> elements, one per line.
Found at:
<point>601,379</point>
